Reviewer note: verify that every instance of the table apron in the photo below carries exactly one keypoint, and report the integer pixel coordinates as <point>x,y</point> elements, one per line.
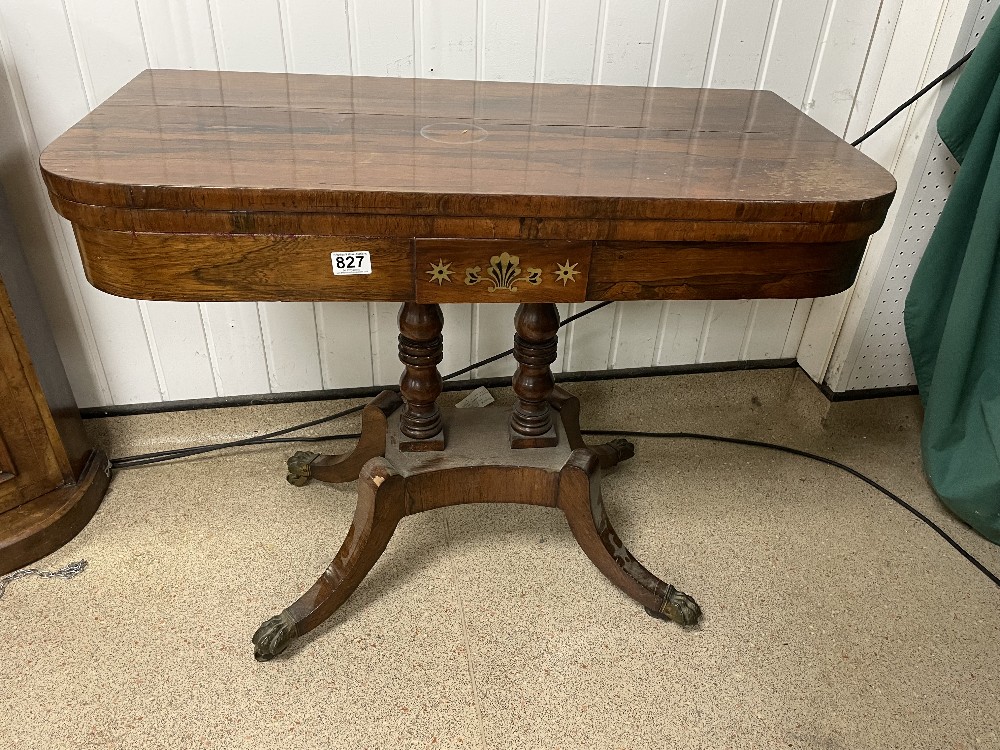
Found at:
<point>258,267</point>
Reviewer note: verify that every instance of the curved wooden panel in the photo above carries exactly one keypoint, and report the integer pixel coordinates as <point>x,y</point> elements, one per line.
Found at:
<point>471,227</point>
<point>526,485</point>
<point>45,523</point>
<point>718,270</point>
<point>233,268</point>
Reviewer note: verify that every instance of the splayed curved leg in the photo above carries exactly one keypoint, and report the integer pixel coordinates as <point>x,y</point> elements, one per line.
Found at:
<point>380,508</point>
<point>305,465</point>
<point>580,499</point>
<point>609,454</point>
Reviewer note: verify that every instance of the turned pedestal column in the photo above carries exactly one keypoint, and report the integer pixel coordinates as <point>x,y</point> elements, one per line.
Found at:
<point>420,350</point>
<point>536,327</point>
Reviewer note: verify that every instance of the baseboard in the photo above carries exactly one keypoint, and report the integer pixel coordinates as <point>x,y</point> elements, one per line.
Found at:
<point>451,385</point>
<point>464,385</point>
<point>866,393</point>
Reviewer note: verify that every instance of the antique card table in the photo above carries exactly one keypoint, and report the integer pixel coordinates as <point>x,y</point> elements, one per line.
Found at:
<point>190,185</point>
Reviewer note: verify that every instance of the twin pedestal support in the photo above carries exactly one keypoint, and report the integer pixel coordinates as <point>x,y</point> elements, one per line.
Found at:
<point>413,456</point>
<point>421,348</point>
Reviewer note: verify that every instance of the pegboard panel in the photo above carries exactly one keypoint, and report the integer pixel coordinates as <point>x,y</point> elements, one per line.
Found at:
<point>883,359</point>
<point>986,10</point>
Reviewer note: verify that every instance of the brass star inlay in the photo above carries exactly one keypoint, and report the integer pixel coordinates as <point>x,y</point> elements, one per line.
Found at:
<point>567,272</point>
<point>440,272</point>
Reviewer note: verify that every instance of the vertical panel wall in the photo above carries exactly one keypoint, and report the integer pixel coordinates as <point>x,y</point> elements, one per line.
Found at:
<point>63,57</point>
<point>872,351</point>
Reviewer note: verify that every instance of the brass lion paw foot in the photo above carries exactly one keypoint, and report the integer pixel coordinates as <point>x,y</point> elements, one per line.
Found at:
<point>300,468</point>
<point>677,607</point>
<point>273,636</point>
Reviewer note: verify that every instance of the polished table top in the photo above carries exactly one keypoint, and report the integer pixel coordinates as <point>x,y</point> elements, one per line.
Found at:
<point>667,193</point>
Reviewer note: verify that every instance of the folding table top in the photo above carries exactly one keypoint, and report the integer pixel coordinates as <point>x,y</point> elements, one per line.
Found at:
<point>273,142</point>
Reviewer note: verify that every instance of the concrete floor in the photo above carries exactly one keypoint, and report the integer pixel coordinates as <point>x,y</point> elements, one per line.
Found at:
<point>833,618</point>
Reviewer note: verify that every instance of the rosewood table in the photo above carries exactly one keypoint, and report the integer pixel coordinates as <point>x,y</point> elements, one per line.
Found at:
<point>248,186</point>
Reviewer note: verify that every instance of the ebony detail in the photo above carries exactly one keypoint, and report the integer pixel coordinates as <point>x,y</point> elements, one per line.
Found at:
<point>420,350</point>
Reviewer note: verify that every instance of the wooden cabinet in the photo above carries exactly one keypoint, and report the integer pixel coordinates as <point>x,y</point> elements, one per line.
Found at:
<point>51,480</point>
<point>28,464</point>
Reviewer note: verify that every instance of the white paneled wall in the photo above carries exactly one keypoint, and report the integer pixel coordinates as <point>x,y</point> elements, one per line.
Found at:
<point>872,351</point>
<point>63,57</point>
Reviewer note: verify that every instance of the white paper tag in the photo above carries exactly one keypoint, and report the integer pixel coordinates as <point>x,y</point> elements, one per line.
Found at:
<point>479,397</point>
<point>351,264</point>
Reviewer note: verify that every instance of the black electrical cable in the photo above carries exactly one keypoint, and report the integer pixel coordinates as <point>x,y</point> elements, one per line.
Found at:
<point>277,437</point>
<point>916,96</point>
<point>507,353</point>
<point>144,459</point>
<point>737,441</point>
<point>815,457</point>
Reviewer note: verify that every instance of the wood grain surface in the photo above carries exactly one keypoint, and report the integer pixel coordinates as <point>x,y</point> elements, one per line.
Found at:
<point>51,480</point>
<point>202,140</point>
<point>207,267</point>
<point>241,267</point>
<point>197,185</point>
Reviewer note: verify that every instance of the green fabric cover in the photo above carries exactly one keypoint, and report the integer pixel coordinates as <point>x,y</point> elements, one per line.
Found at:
<point>952,313</point>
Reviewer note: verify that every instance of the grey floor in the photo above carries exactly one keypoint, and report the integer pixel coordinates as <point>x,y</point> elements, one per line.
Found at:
<point>833,619</point>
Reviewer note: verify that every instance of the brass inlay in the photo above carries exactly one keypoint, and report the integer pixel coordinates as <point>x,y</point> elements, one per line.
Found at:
<point>504,273</point>
<point>440,272</point>
<point>566,272</point>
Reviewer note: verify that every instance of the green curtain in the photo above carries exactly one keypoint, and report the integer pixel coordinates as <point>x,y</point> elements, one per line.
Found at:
<point>952,313</point>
